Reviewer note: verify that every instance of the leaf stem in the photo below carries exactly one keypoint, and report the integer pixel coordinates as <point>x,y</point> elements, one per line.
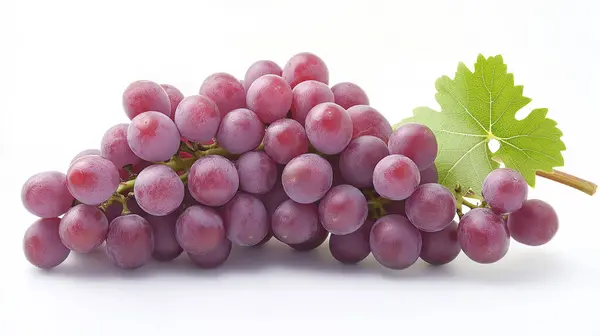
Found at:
<point>569,180</point>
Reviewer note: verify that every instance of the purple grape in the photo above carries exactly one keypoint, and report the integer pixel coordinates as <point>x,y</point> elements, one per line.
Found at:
<point>504,190</point>
<point>368,121</point>
<point>42,245</point>
<point>307,178</point>
<point>483,236</point>
<point>83,228</point>
<point>257,172</point>
<point>86,153</point>
<point>349,94</point>
<point>259,69</point>
<point>313,242</point>
<point>134,207</point>
<point>303,67</point>
<point>114,147</point>
<point>328,128</point>
<point>213,180</point>
<point>358,160</point>
<point>113,210</point>
<point>245,220</point>
<point>130,242</point>
<point>534,224</point>
<point>274,198</point>
<point>158,190</point>
<point>415,141</point>
<point>440,247</point>
<point>295,223</point>
<point>225,90</point>
<point>431,207</point>
<point>284,140</point>
<point>166,247</point>
<point>175,97</point>
<point>197,118</point>
<point>396,177</point>
<point>142,96</point>
<point>214,258</point>
<point>199,229</point>
<point>46,194</point>
<point>92,179</point>
<point>354,247</point>
<point>307,95</point>
<point>395,242</point>
<point>152,136</point>
<point>270,97</point>
<point>395,207</point>
<point>429,175</point>
<point>240,131</point>
<point>343,209</point>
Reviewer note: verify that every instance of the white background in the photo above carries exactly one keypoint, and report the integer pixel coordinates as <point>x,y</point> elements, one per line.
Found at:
<point>64,67</point>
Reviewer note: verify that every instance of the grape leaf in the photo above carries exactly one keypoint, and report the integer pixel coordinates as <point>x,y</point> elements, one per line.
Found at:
<point>477,107</point>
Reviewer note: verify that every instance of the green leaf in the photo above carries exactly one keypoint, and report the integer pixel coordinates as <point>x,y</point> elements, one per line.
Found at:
<point>477,107</point>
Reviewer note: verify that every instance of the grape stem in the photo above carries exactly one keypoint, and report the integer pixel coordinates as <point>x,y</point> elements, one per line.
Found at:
<point>569,180</point>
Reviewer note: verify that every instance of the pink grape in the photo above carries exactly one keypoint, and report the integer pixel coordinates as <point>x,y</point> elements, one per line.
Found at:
<point>368,121</point>
<point>199,229</point>
<point>305,66</point>
<point>307,95</point>
<point>431,207</point>
<point>274,197</point>
<point>441,247</point>
<point>349,94</point>
<point>197,118</point>
<point>396,177</point>
<point>166,246</point>
<point>130,242</point>
<point>415,141</point>
<point>225,90</point>
<point>259,69</point>
<point>86,153</point>
<point>328,128</point>
<point>214,258</point>
<point>240,131</point>
<point>358,160</point>
<point>307,178</point>
<point>343,209</point>
<point>284,140</point>
<point>245,220</point>
<point>42,245</point>
<point>213,180</point>
<point>534,224</point>
<point>143,96</point>
<point>115,148</point>
<point>175,97</point>
<point>257,172</point>
<point>354,247</point>
<point>313,242</point>
<point>83,228</point>
<point>505,190</point>
<point>152,136</point>
<point>483,236</point>
<point>46,194</point>
<point>395,242</point>
<point>270,97</point>
<point>158,190</point>
<point>295,223</point>
<point>429,175</point>
<point>92,179</point>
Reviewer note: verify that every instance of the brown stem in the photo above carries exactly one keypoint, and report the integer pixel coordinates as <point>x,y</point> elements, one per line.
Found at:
<point>569,180</point>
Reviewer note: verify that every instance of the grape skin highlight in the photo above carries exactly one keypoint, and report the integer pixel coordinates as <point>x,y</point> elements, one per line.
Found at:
<point>225,90</point>
<point>505,190</point>
<point>42,245</point>
<point>92,179</point>
<point>270,97</point>
<point>396,177</point>
<point>305,66</point>
<point>534,224</point>
<point>257,172</point>
<point>158,190</point>
<point>152,136</point>
<point>483,236</point>
<point>343,209</point>
<point>142,96</point>
<point>431,207</point>
<point>441,247</point>
<point>213,180</point>
<point>197,118</point>
<point>83,228</point>
<point>328,128</point>
<point>284,140</point>
<point>130,242</point>
<point>307,95</point>
<point>349,94</point>
<point>245,220</point>
<point>46,194</point>
<point>415,141</point>
<point>357,162</point>
<point>115,148</point>
<point>240,131</point>
<point>307,178</point>
<point>295,223</point>
<point>395,242</point>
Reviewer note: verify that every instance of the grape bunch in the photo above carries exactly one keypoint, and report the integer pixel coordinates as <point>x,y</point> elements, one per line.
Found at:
<point>279,154</point>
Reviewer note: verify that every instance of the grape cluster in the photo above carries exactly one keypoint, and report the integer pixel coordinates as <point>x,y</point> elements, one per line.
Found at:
<point>278,154</point>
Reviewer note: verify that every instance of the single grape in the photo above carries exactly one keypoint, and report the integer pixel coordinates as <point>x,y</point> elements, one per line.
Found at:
<point>284,140</point>
<point>313,242</point>
<point>395,242</point>
<point>86,153</point>
<point>130,241</point>
<point>259,69</point>
<point>328,128</point>
<point>225,90</point>
<point>295,223</point>
<point>175,97</point>
<point>152,136</point>
<point>257,172</point>
<point>349,94</point>
<point>92,179</point>
<point>441,247</point>
<point>166,246</point>
<point>274,198</point>
<point>343,209</point>
<point>270,97</point>
<point>142,96</point>
<point>240,131</point>
<point>158,190</point>
<point>305,66</point>
<point>354,247</point>
<point>245,220</point>
<point>199,229</point>
<point>483,236</point>
<point>431,207</point>
<point>113,211</point>
<point>396,177</point>
<point>197,118</point>
<point>415,141</point>
<point>83,228</point>
<point>46,194</point>
<point>534,224</point>
<point>357,162</point>
<point>307,95</point>
<point>429,175</point>
<point>213,180</point>
<point>115,148</point>
<point>42,245</point>
<point>214,258</point>
<point>368,121</point>
<point>504,190</point>
<point>307,178</point>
